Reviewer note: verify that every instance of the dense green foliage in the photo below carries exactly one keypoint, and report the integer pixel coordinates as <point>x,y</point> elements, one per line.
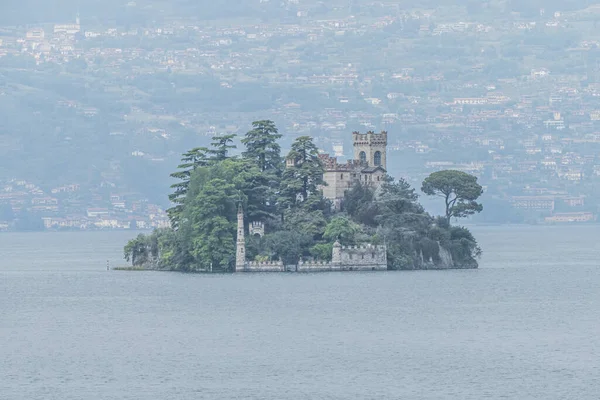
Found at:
<point>197,157</point>
<point>304,173</point>
<point>286,197</point>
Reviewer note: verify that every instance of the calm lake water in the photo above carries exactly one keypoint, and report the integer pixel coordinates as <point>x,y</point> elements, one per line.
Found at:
<point>524,326</point>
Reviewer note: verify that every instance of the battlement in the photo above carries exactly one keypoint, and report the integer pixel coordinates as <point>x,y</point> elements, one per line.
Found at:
<point>263,263</point>
<point>264,266</point>
<point>369,138</point>
<point>319,266</point>
<point>257,228</point>
<point>371,148</point>
<point>328,161</point>
<point>331,164</point>
<point>349,258</point>
<point>315,266</point>
<point>352,165</point>
<point>363,257</point>
<point>364,248</point>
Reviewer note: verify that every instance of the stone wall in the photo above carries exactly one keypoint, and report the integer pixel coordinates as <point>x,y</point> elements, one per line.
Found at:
<point>337,184</point>
<point>317,266</point>
<point>267,266</point>
<point>367,255</point>
<point>314,266</point>
<point>351,258</point>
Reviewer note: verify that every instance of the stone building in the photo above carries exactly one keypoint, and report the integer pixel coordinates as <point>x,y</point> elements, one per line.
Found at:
<point>368,166</point>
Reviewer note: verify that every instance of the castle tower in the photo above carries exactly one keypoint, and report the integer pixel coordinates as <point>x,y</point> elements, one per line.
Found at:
<point>290,162</point>
<point>257,229</point>
<point>371,148</point>
<point>336,254</point>
<point>240,254</point>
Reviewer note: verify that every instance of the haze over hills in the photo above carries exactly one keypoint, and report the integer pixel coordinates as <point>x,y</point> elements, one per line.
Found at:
<point>507,90</point>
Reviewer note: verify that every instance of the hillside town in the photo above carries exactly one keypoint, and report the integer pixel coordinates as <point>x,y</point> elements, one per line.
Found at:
<point>513,99</point>
<point>64,209</point>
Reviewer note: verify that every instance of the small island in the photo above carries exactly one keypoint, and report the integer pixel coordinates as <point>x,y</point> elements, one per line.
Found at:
<point>305,212</point>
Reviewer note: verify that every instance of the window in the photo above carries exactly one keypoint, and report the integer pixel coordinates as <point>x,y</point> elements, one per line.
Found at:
<point>377,158</point>
<point>342,176</point>
<point>362,257</point>
<point>363,156</point>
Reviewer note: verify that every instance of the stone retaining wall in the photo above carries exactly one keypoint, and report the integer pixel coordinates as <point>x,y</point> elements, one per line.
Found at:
<point>267,266</point>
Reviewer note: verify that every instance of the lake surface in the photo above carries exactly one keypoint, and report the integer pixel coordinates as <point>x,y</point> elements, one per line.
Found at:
<point>524,326</point>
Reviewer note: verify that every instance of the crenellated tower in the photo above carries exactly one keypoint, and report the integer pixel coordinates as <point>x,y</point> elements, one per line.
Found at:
<point>240,254</point>
<point>257,228</point>
<point>370,148</point>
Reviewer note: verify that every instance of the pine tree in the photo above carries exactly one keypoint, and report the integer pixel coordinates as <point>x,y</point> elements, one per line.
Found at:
<point>221,146</point>
<point>262,147</point>
<point>195,158</point>
<point>303,174</point>
<point>263,151</point>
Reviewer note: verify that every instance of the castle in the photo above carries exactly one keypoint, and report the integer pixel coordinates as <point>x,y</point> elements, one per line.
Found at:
<point>367,167</point>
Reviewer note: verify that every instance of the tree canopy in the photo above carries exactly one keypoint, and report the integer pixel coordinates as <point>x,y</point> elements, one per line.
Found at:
<point>262,147</point>
<point>459,191</point>
<point>197,157</point>
<point>304,172</point>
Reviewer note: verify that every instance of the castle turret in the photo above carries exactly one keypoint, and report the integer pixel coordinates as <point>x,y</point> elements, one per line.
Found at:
<point>240,254</point>
<point>290,162</point>
<point>370,148</point>
<point>336,254</point>
<point>257,228</point>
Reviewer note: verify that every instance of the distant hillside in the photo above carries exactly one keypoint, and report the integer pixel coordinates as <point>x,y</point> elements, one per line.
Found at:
<point>14,12</point>
<point>20,12</point>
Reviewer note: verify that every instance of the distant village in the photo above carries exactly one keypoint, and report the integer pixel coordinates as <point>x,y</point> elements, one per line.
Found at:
<point>532,138</point>
<point>62,208</point>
